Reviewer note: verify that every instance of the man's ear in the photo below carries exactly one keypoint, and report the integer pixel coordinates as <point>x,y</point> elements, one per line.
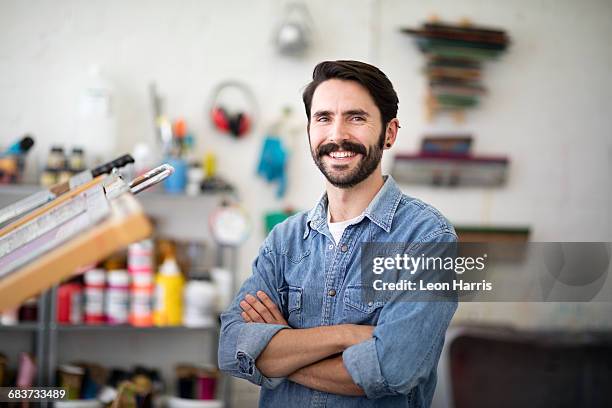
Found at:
<point>391,133</point>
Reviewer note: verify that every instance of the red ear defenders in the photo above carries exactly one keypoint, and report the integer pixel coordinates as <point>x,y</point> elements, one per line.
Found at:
<point>236,124</point>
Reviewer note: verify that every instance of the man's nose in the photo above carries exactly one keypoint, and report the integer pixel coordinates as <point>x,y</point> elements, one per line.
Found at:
<point>339,132</point>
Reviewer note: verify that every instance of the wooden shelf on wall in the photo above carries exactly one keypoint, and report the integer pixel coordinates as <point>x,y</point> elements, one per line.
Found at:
<point>500,243</point>
<point>492,234</point>
<point>455,55</point>
<point>440,170</point>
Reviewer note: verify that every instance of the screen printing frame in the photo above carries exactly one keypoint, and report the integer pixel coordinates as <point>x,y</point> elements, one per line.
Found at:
<point>123,223</point>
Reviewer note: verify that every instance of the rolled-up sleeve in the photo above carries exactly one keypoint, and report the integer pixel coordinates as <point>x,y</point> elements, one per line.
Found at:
<point>405,347</point>
<point>241,343</point>
<point>361,361</point>
<point>403,353</point>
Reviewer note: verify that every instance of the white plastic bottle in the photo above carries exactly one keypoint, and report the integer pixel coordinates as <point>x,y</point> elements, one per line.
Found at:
<point>117,296</point>
<point>200,302</point>
<point>95,283</point>
<point>96,123</point>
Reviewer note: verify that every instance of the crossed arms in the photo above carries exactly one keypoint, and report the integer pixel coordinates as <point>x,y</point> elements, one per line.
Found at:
<point>306,356</point>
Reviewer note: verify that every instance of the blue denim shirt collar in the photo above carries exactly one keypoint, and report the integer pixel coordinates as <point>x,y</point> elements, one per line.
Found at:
<point>380,210</point>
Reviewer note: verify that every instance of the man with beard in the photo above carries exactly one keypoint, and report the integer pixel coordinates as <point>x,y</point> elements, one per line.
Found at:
<point>299,326</point>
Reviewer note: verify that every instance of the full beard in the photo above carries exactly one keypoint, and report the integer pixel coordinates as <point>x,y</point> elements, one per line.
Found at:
<point>339,175</point>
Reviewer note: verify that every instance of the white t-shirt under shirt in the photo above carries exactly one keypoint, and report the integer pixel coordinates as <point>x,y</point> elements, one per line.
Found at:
<point>337,228</point>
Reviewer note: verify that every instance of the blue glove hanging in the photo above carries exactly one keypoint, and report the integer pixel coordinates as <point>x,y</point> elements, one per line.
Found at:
<point>273,163</point>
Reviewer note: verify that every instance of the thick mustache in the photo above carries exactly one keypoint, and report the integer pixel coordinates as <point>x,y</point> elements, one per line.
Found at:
<point>346,145</point>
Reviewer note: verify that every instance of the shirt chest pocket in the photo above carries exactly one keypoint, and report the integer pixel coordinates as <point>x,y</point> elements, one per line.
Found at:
<point>357,309</point>
<point>293,296</point>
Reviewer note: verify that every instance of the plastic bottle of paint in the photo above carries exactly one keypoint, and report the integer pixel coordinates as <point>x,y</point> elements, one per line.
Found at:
<point>95,282</point>
<point>200,299</point>
<point>28,312</point>
<point>206,383</point>
<point>140,266</point>
<point>141,299</point>
<point>176,183</point>
<point>69,303</point>
<point>96,117</point>
<point>169,294</point>
<point>9,317</point>
<point>140,257</point>
<point>117,296</point>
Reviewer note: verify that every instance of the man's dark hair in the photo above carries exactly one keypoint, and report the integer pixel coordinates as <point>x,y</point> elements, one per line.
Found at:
<point>370,77</point>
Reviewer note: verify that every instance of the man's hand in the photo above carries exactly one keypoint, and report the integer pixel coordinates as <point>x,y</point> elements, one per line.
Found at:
<point>261,309</point>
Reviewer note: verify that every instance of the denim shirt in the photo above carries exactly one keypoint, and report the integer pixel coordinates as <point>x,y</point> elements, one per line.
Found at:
<point>317,283</point>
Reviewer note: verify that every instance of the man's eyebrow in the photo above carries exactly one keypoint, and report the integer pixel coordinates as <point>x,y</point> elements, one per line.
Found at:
<point>319,114</point>
<point>353,112</point>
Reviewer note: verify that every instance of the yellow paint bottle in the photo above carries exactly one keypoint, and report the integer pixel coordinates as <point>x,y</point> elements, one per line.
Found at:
<point>169,285</point>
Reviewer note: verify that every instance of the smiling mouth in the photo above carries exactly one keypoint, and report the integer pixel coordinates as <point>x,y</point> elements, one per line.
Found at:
<point>342,155</point>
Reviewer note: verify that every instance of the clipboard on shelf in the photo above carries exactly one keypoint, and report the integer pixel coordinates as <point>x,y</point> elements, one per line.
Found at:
<point>81,227</point>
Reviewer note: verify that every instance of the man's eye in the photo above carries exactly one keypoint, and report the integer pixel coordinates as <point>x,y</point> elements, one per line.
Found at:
<point>322,119</point>
<point>357,118</point>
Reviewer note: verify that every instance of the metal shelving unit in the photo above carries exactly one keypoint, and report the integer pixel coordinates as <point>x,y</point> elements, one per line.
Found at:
<point>174,210</point>
<point>19,327</point>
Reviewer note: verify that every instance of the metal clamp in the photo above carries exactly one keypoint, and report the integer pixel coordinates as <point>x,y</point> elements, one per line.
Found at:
<point>150,178</point>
